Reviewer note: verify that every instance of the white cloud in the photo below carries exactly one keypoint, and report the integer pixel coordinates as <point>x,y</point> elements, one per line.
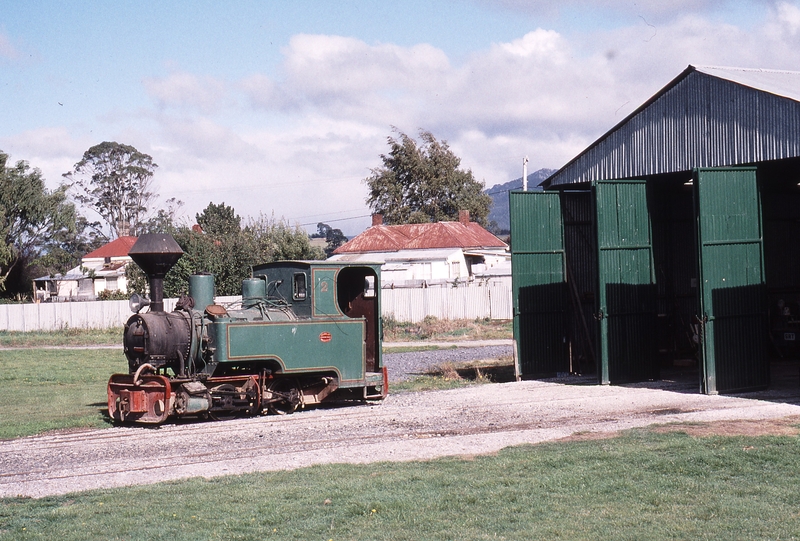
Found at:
<point>52,150</point>
<point>347,77</point>
<point>540,43</point>
<point>299,143</point>
<point>315,131</point>
<point>186,90</point>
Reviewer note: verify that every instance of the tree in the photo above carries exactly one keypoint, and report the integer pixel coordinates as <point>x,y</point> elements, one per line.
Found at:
<point>33,221</point>
<point>219,220</point>
<point>222,247</point>
<point>276,240</point>
<point>115,180</point>
<point>419,184</point>
<point>164,220</point>
<point>334,237</point>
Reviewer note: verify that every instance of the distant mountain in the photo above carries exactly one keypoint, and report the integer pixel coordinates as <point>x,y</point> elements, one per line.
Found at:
<point>499,195</point>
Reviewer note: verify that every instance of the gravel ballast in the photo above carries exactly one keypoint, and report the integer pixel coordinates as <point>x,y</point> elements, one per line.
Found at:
<point>406,426</point>
<point>407,365</point>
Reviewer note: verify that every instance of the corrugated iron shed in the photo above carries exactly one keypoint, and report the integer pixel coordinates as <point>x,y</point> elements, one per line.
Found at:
<point>705,117</point>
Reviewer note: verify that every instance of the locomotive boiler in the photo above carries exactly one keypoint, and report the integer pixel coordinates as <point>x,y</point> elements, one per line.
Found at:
<point>305,332</point>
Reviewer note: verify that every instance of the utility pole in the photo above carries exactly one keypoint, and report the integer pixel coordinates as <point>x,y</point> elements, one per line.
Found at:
<point>525,174</point>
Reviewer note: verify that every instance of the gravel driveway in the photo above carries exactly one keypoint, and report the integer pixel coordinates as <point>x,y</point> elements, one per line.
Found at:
<point>407,426</point>
<point>403,366</point>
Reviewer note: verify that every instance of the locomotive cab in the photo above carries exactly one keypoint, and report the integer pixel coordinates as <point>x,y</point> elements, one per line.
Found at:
<point>323,291</point>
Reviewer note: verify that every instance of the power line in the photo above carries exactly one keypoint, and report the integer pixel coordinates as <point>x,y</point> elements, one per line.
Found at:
<point>337,220</point>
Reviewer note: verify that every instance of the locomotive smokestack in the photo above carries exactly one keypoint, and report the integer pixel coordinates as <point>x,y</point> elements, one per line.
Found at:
<point>156,254</point>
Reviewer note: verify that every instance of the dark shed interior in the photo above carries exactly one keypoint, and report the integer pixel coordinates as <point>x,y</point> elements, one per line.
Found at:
<point>723,294</point>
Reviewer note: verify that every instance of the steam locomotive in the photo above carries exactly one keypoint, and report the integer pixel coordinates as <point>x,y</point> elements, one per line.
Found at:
<point>306,332</point>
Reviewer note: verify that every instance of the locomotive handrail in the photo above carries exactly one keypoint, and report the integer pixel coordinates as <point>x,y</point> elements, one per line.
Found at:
<point>136,380</point>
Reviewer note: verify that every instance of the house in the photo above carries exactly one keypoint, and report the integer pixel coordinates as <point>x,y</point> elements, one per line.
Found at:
<point>100,270</point>
<point>431,254</point>
<point>671,241</point>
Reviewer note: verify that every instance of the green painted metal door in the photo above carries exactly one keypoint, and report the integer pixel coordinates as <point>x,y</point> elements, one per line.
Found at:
<point>731,285</point>
<point>626,283</point>
<point>539,282</point>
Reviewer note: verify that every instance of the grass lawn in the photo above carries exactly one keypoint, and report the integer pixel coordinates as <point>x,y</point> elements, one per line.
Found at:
<point>66,337</point>
<point>46,389</point>
<point>435,329</point>
<point>643,485</point>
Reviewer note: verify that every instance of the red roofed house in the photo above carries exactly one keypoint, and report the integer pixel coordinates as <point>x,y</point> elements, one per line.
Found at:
<point>100,270</point>
<point>441,253</point>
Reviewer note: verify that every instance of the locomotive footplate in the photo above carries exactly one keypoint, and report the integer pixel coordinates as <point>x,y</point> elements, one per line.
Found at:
<point>140,398</point>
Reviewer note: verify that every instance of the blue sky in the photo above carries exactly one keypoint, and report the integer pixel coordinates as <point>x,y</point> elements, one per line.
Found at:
<point>282,108</point>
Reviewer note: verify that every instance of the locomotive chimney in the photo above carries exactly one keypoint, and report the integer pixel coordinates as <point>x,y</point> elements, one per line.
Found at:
<point>156,254</point>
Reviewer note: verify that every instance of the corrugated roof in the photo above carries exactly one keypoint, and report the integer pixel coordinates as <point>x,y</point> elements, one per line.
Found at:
<point>705,117</point>
<point>116,248</point>
<point>780,83</point>
<point>392,238</point>
<point>403,256</point>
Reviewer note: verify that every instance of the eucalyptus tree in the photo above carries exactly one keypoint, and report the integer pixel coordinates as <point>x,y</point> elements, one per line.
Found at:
<point>421,183</point>
<point>34,221</point>
<point>115,181</point>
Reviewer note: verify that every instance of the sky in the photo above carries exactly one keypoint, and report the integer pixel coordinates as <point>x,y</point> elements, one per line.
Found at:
<point>282,109</point>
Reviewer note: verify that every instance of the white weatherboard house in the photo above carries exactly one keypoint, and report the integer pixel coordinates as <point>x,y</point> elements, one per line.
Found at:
<point>432,254</point>
<point>100,270</point>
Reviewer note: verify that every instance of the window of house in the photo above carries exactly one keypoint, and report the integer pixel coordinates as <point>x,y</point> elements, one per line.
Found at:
<point>86,286</point>
<point>111,283</point>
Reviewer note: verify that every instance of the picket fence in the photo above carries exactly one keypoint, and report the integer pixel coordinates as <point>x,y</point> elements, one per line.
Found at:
<point>403,305</point>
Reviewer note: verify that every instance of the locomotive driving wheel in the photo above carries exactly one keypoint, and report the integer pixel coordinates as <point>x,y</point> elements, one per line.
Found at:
<point>223,396</point>
<point>283,396</point>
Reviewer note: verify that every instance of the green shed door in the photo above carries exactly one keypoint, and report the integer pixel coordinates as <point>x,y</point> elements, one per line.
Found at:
<point>539,282</point>
<point>626,283</point>
<point>732,295</point>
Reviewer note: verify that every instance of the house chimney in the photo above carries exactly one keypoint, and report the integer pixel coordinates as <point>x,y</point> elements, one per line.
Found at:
<point>377,219</point>
<point>463,216</point>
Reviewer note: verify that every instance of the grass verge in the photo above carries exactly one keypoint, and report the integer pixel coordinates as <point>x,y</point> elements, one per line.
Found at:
<point>47,389</point>
<point>432,328</point>
<point>454,375</point>
<point>643,485</point>
<point>64,337</point>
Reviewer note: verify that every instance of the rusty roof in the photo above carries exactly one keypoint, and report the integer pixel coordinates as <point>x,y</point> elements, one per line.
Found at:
<point>390,238</point>
<point>116,248</point>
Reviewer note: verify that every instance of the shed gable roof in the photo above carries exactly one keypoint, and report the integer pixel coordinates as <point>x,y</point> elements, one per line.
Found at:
<point>705,117</point>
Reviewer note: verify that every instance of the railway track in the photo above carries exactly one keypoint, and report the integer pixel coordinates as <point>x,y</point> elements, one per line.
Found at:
<point>408,426</point>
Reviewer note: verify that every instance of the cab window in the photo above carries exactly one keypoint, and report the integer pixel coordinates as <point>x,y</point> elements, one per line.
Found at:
<point>369,286</point>
<point>299,286</point>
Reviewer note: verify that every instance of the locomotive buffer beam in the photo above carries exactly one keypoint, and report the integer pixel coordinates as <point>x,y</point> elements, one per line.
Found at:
<point>141,398</point>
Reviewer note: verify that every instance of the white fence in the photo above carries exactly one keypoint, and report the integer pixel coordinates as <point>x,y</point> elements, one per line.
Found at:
<point>493,302</point>
<point>52,316</point>
<point>490,301</point>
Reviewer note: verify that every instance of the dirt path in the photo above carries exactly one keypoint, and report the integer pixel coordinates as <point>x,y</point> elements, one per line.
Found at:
<point>408,426</point>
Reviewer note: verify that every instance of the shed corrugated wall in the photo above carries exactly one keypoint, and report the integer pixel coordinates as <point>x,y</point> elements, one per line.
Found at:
<point>699,121</point>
